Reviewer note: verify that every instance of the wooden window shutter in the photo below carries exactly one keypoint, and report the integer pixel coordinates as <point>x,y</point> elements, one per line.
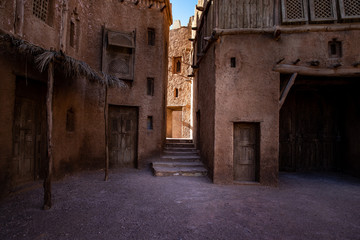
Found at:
<point>323,10</point>
<point>349,9</point>
<point>121,39</point>
<point>294,11</point>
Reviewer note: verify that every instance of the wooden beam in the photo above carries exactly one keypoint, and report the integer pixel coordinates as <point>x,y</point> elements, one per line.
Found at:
<point>287,89</point>
<point>106,109</point>
<point>49,114</point>
<point>316,71</point>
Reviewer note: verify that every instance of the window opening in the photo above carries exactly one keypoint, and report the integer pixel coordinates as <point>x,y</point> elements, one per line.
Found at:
<point>151,36</point>
<point>176,92</point>
<point>177,65</point>
<point>149,122</point>
<point>70,120</point>
<point>233,62</point>
<point>335,49</point>
<point>150,86</point>
<point>40,9</point>
<point>72,34</point>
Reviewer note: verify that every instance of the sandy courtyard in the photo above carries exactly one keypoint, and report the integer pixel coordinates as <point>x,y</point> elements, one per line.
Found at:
<point>135,205</point>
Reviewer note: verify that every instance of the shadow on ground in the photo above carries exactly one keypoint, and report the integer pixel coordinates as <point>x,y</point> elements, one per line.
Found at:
<point>135,205</point>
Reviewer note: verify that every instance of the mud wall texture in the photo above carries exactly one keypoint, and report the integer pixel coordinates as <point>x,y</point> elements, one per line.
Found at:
<point>205,109</point>
<point>76,28</point>
<point>179,84</point>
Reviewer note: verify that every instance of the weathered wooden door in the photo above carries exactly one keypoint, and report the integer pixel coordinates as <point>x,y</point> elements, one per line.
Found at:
<point>29,130</point>
<point>123,127</point>
<point>24,139</point>
<point>177,124</point>
<point>246,151</point>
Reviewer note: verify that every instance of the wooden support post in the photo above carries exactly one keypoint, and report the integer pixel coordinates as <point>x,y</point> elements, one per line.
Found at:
<point>287,89</point>
<point>106,108</point>
<point>49,103</point>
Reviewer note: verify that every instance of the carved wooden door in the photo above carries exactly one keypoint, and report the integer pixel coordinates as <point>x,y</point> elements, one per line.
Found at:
<point>123,125</point>
<point>245,151</point>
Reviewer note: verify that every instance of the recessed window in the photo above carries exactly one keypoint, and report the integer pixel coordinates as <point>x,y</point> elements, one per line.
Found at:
<point>150,86</point>
<point>233,62</point>
<point>70,120</point>
<point>151,36</point>
<point>176,92</point>
<point>149,122</point>
<point>177,65</point>
<point>72,34</point>
<point>335,49</point>
<point>43,9</point>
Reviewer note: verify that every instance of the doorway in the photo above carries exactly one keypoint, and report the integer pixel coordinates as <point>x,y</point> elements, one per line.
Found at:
<point>29,130</point>
<point>123,135</point>
<point>246,152</point>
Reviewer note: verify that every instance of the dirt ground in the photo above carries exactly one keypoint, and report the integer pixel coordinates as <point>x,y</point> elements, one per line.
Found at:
<point>135,205</point>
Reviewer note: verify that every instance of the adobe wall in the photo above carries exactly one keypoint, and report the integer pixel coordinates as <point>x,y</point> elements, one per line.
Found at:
<point>247,93</point>
<point>250,92</point>
<point>205,92</point>
<point>150,61</point>
<point>180,46</point>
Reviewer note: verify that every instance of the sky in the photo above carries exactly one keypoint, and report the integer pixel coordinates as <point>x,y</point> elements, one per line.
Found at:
<point>183,9</point>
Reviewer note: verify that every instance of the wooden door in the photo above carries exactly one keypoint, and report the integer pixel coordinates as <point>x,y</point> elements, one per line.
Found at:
<point>246,151</point>
<point>123,127</point>
<point>177,124</point>
<point>24,139</point>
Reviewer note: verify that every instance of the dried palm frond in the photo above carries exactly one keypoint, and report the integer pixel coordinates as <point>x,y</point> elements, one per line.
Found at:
<point>113,81</point>
<point>70,66</point>
<point>44,59</point>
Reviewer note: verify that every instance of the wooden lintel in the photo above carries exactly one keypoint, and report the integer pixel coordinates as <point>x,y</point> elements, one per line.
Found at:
<point>316,71</point>
<point>287,89</point>
<point>199,8</point>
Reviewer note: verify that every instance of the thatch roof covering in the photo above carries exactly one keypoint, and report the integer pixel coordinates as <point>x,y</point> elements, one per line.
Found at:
<point>69,66</point>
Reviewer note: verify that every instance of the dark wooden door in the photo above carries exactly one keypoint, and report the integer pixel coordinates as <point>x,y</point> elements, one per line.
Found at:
<point>29,130</point>
<point>24,139</point>
<point>123,127</point>
<point>246,152</point>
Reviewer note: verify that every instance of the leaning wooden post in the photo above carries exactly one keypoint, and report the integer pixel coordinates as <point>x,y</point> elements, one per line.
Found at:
<point>106,134</point>
<point>49,102</point>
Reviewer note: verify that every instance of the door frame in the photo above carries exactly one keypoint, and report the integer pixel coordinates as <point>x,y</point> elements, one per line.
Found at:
<point>136,160</point>
<point>257,126</point>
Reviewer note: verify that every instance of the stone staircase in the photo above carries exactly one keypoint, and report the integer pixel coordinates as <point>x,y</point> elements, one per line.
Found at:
<point>179,158</point>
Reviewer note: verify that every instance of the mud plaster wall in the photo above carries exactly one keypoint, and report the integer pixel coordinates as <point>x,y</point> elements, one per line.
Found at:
<point>150,61</point>
<point>250,92</point>
<point>245,93</point>
<point>180,46</point>
<point>206,106</point>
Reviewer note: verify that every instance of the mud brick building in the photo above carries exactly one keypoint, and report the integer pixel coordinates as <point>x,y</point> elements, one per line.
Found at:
<point>276,87</point>
<point>179,89</point>
<point>125,41</point>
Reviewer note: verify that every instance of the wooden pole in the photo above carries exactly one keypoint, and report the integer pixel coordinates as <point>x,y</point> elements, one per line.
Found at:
<point>317,71</point>
<point>106,134</point>
<point>49,102</point>
<point>287,89</point>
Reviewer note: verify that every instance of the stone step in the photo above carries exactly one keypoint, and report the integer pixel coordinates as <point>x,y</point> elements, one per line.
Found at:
<point>179,140</point>
<point>162,171</point>
<point>177,164</point>
<point>181,153</point>
<point>181,149</point>
<point>179,145</point>
<point>181,157</point>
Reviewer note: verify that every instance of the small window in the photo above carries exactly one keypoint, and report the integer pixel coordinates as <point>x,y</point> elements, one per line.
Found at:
<point>40,9</point>
<point>151,36</point>
<point>177,65</point>
<point>149,122</point>
<point>72,34</point>
<point>70,120</point>
<point>233,62</point>
<point>150,86</point>
<point>335,49</point>
<point>176,92</point>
